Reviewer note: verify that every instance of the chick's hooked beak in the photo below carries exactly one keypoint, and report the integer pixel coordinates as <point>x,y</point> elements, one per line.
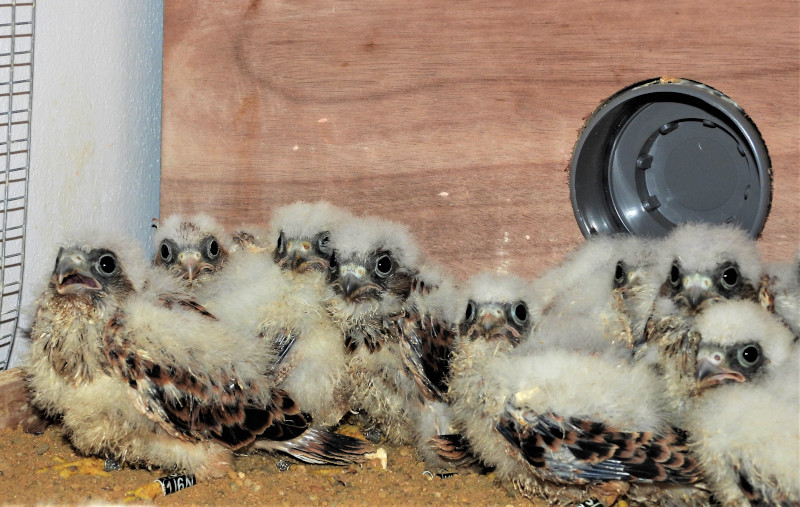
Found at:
<point>192,264</point>
<point>490,317</point>
<point>302,258</point>
<point>352,279</point>
<point>711,371</point>
<point>696,289</point>
<point>491,323</point>
<point>72,273</point>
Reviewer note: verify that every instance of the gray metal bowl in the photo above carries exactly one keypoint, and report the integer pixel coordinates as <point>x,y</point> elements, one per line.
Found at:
<point>667,151</point>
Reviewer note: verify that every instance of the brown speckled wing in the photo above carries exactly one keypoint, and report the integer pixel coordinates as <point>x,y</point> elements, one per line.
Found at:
<point>676,344</point>
<point>427,344</point>
<point>766,298</point>
<point>184,302</point>
<point>454,448</point>
<point>372,334</point>
<point>657,330</point>
<point>577,451</point>
<point>762,490</point>
<point>195,404</point>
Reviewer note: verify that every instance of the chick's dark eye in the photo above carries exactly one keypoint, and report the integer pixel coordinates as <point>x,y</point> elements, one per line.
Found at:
<point>212,249</point>
<point>323,244</point>
<point>749,355</point>
<point>470,312</point>
<point>383,266</point>
<point>675,274</point>
<point>730,277</point>
<point>107,264</point>
<point>520,313</point>
<point>281,246</point>
<point>165,252</point>
<point>619,274</point>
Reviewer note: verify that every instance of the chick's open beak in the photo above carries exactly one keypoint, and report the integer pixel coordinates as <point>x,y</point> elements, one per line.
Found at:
<point>72,274</point>
<point>711,373</point>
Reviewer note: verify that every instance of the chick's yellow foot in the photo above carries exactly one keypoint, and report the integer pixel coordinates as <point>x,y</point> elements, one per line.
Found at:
<point>350,430</point>
<point>161,487</point>
<point>149,491</point>
<point>611,493</point>
<point>247,240</point>
<point>85,466</point>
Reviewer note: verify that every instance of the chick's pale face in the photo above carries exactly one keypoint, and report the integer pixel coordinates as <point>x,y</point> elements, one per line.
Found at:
<point>693,290</point>
<point>89,275</point>
<point>190,261</point>
<point>370,279</point>
<point>303,253</point>
<point>506,321</point>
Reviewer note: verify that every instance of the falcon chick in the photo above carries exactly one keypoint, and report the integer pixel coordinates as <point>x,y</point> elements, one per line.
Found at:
<point>312,362</point>
<point>745,417</point>
<point>551,420</point>
<point>301,233</point>
<point>608,282</point>
<point>143,380</point>
<point>191,249</point>
<point>701,265</point>
<point>278,295</point>
<point>496,310</point>
<point>709,263</point>
<point>397,317</point>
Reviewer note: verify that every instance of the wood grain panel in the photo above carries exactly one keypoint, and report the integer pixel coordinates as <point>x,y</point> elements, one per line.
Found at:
<point>455,117</point>
<point>15,406</point>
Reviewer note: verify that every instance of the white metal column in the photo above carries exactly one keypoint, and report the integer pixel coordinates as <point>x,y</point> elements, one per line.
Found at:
<point>16,74</point>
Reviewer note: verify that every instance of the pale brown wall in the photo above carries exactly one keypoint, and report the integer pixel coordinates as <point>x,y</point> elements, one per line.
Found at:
<point>455,117</point>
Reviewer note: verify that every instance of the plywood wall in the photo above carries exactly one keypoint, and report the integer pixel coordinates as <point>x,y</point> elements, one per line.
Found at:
<point>457,117</point>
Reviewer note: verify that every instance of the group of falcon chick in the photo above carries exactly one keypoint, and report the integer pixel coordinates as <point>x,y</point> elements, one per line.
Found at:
<point>652,370</point>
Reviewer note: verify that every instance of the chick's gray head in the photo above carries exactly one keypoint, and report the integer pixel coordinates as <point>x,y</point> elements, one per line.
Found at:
<point>190,248</point>
<point>84,275</point>
<point>739,342</point>
<point>301,233</point>
<point>709,263</point>
<point>497,309</point>
<point>303,253</point>
<point>374,262</point>
<point>370,277</point>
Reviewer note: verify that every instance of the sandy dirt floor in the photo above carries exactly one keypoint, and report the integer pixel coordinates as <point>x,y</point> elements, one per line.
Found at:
<point>27,478</point>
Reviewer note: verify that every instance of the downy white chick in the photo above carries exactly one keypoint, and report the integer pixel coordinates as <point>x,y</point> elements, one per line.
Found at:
<point>147,380</point>
<point>191,249</point>
<point>396,316</point>
<point>496,308</point>
<point>744,419</point>
<point>710,263</point>
<point>278,295</point>
<point>702,264</point>
<point>552,420</point>
<point>312,360</point>
<point>608,282</point>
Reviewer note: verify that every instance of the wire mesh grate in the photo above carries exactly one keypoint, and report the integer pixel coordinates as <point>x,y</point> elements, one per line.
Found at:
<point>16,75</point>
